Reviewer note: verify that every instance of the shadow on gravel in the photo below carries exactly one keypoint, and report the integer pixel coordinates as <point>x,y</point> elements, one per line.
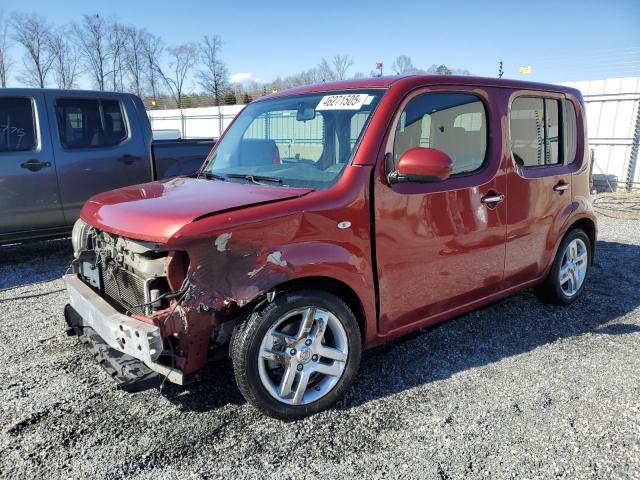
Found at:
<point>216,388</point>
<point>511,327</point>
<point>32,262</point>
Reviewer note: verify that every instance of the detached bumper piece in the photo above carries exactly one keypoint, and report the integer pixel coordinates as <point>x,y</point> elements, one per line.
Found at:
<point>131,374</point>
<point>128,349</point>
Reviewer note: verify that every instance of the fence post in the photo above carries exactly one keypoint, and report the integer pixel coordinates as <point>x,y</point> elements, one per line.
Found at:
<point>220,121</point>
<point>633,158</point>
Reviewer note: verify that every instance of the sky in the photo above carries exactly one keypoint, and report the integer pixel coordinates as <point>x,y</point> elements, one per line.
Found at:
<point>561,41</point>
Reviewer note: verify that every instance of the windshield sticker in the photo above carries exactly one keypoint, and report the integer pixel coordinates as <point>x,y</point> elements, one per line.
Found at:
<point>350,101</point>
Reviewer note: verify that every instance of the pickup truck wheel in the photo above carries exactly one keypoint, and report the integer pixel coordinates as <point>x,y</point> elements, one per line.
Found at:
<point>297,355</point>
<point>569,271</point>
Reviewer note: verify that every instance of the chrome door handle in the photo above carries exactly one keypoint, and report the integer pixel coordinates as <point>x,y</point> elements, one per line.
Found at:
<point>492,198</point>
<point>560,187</point>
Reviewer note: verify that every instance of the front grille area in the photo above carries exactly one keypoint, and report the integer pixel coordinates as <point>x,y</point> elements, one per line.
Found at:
<point>125,288</point>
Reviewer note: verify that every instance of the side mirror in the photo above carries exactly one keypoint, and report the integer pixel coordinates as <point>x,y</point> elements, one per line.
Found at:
<point>420,164</point>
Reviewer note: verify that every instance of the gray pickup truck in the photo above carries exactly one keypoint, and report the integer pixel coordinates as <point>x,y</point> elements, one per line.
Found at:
<point>60,147</point>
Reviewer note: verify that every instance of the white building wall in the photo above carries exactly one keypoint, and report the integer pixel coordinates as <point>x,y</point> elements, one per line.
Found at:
<point>612,109</point>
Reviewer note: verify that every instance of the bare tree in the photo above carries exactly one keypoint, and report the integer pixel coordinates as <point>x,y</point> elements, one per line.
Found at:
<point>92,37</point>
<point>183,59</point>
<point>403,66</point>
<point>117,43</point>
<point>5,60</point>
<point>65,59</point>
<point>439,70</point>
<point>341,63</point>
<point>134,59</point>
<point>33,32</point>
<point>213,77</point>
<point>323,72</point>
<point>152,49</point>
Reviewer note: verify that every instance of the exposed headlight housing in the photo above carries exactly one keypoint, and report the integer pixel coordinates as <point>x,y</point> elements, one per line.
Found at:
<point>80,236</point>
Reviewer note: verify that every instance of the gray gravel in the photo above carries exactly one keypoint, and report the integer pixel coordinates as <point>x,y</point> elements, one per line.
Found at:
<point>517,389</point>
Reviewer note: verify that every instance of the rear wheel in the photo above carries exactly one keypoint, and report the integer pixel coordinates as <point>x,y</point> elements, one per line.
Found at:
<point>297,355</point>
<point>569,271</point>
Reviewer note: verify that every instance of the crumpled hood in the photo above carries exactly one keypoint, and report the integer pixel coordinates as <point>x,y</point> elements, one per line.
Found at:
<point>155,211</point>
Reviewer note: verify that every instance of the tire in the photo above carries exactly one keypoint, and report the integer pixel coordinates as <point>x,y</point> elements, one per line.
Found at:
<point>275,344</point>
<point>553,289</point>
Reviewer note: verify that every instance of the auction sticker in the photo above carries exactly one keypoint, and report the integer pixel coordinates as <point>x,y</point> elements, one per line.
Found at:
<point>348,101</point>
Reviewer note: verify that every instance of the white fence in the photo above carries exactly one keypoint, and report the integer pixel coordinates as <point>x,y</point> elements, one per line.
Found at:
<point>201,122</point>
<point>613,115</point>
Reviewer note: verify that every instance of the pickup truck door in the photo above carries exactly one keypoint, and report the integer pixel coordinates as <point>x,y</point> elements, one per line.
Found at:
<point>440,245</point>
<point>100,145</point>
<point>29,197</point>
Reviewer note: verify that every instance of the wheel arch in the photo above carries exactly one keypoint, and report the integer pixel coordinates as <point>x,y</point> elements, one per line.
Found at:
<point>588,226</point>
<point>328,284</point>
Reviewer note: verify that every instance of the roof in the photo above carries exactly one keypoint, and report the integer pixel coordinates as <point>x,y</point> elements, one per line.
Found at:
<point>27,90</point>
<point>388,81</point>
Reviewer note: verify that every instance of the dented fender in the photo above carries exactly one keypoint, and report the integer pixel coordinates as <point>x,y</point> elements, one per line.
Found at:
<point>237,257</point>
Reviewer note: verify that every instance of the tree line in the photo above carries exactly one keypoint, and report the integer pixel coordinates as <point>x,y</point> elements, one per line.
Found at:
<point>121,57</point>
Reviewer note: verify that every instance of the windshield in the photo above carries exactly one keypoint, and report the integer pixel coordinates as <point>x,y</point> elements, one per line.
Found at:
<point>299,141</point>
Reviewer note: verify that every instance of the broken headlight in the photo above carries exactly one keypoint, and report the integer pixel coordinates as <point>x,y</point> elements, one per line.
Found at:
<point>80,236</point>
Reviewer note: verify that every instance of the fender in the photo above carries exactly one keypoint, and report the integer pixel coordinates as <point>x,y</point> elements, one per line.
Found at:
<point>580,208</point>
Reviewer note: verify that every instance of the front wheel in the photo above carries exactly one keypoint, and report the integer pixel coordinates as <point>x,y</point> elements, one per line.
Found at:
<point>569,271</point>
<point>297,355</point>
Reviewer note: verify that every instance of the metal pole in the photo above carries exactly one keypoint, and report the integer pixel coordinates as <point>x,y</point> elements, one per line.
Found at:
<point>633,158</point>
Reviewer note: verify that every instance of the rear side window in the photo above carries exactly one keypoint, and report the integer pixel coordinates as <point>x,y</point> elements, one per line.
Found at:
<point>90,123</point>
<point>17,125</point>
<point>454,123</point>
<point>536,136</point>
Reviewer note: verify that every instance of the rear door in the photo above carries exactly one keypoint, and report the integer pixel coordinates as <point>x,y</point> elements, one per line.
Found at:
<point>29,197</point>
<point>538,185</point>
<point>100,146</point>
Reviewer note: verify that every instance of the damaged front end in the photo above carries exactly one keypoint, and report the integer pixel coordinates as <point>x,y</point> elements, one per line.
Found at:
<point>135,306</point>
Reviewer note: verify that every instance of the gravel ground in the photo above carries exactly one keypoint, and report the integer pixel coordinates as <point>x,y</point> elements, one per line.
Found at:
<point>517,389</point>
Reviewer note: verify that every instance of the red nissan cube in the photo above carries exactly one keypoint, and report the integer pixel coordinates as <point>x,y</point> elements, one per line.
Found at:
<point>332,218</point>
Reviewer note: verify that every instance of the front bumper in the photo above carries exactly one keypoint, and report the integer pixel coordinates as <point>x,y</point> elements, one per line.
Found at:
<point>119,332</point>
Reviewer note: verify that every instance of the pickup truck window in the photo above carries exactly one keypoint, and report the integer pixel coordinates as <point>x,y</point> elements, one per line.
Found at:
<point>535,134</point>
<point>90,123</point>
<point>301,140</point>
<point>17,126</point>
<point>454,123</point>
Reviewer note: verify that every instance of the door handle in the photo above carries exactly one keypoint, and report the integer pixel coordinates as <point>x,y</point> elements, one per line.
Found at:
<point>492,199</point>
<point>128,159</point>
<point>34,164</point>
<point>561,186</point>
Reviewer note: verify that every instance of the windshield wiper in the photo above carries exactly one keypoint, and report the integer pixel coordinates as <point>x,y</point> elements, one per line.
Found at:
<point>254,178</point>
<point>209,176</point>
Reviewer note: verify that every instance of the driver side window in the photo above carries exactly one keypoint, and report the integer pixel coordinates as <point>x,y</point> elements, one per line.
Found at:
<point>454,123</point>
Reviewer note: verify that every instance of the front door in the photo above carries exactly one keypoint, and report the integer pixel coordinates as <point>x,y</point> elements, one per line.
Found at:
<point>441,245</point>
<point>28,184</point>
